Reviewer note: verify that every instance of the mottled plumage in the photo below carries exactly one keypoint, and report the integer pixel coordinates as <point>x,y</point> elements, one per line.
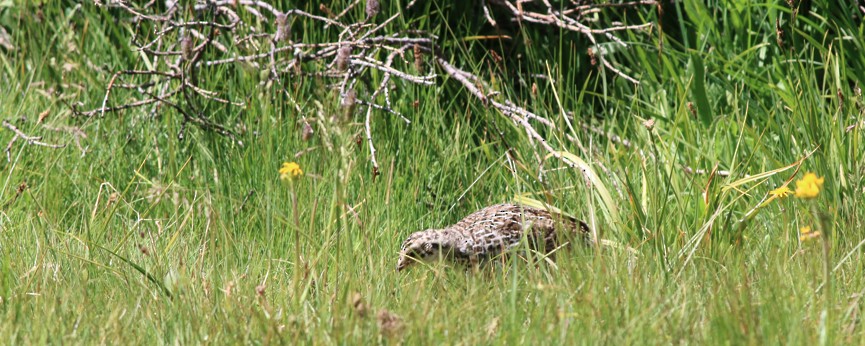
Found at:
<point>491,231</point>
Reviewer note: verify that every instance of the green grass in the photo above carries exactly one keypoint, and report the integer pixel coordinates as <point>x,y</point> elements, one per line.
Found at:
<point>149,239</point>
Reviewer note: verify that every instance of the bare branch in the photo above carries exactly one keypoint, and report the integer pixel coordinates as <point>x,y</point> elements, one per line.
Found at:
<point>32,140</point>
<point>362,62</point>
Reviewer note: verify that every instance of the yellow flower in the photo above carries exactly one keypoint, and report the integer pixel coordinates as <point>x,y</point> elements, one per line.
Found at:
<point>809,186</point>
<point>290,171</point>
<point>782,191</point>
<point>805,233</point>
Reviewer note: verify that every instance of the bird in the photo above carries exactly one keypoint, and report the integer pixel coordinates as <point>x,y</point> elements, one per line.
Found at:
<point>491,231</point>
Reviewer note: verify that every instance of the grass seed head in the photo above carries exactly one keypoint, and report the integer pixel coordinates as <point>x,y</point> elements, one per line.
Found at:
<point>418,58</point>
<point>649,124</point>
<point>390,324</point>
<point>360,307</point>
<point>186,47</point>
<point>348,103</point>
<point>307,131</point>
<point>283,30</point>
<point>342,56</point>
<point>372,8</point>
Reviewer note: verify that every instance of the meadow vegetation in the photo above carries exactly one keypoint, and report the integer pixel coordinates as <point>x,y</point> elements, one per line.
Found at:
<point>131,234</point>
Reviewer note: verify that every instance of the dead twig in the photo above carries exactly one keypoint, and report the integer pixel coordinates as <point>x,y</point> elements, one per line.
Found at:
<point>364,64</point>
<point>31,140</point>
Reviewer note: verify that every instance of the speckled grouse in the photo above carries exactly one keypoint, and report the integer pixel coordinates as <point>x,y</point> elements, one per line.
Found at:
<point>491,231</point>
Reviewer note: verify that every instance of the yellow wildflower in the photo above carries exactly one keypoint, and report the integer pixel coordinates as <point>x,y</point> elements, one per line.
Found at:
<point>290,171</point>
<point>780,192</point>
<point>809,186</point>
<point>805,233</point>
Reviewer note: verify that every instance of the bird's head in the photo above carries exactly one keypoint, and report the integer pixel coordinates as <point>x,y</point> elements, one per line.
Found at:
<point>421,246</point>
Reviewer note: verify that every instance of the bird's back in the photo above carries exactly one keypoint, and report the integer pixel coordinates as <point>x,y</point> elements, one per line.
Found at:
<point>500,227</point>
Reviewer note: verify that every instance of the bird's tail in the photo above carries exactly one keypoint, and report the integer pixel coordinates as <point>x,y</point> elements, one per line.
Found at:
<point>580,227</point>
